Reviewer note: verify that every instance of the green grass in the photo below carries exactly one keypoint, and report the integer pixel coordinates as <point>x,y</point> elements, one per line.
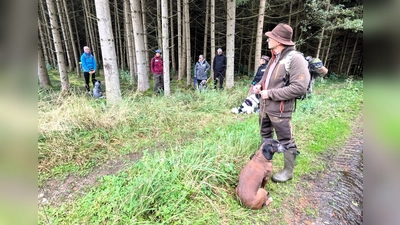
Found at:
<point>193,150</point>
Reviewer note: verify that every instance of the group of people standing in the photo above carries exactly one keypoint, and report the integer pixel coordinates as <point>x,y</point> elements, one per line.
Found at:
<point>202,67</point>
<point>277,101</point>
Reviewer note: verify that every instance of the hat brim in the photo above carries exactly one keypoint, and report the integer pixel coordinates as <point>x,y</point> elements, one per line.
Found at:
<point>271,35</point>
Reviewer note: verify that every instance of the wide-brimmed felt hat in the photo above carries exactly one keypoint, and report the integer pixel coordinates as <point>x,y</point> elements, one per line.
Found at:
<point>282,33</point>
<point>266,58</point>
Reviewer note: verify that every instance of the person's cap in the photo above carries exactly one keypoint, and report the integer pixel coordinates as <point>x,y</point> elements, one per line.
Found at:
<point>219,50</point>
<point>282,33</point>
<point>266,58</point>
<point>158,51</point>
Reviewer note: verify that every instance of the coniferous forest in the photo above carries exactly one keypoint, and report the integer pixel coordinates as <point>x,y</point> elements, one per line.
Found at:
<point>331,30</point>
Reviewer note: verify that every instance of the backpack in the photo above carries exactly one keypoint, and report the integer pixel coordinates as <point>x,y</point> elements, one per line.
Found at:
<point>287,60</point>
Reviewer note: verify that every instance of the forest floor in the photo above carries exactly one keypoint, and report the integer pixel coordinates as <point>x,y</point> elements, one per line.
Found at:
<point>333,196</point>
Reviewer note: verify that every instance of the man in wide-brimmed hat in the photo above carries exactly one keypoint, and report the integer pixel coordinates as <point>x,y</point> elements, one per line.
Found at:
<point>279,89</point>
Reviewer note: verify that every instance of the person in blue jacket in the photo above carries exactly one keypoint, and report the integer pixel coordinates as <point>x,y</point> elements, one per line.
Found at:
<point>88,66</point>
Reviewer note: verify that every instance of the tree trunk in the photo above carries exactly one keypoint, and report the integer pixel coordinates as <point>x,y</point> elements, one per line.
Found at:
<point>64,34</point>
<point>206,29</point>
<point>44,78</point>
<point>344,52</point>
<point>212,34</point>
<point>49,48</point>
<point>352,56</point>
<point>165,46</point>
<point>251,54</point>
<point>92,41</point>
<point>118,39</point>
<point>180,42</point>
<point>187,37</point>
<point>159,31</point>
<point>290,12</point>
<point>230,43</point>
<point>328,48</point>
<point>62,68</point>
<point>259,34</point>
<point>43,39</point>
<point>111,73</point>
<point>129,34</point>
<point>143,79</point>
<point>320,42</point>
<point>171,13</point>
<point>146,45</point>
<point>79,45</point>
<point>71,35</point>
<point>321,38</point>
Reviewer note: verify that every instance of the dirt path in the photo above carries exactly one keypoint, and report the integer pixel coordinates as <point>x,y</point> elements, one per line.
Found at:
<point>336,193</point>
<point>56,192</point>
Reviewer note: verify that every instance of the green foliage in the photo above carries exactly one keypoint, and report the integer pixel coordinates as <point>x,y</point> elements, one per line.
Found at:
<point>49,67</point>
<point>125,75</point>
<point>336,17</point>
<point>193,150</point>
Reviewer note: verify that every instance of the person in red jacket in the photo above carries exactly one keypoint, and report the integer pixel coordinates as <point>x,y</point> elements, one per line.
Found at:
<point>158,72</point>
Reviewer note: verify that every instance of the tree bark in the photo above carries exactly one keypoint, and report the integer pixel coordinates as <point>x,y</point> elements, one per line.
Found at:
<point>206,29</point>
<point>180,41</point>
<point>159,31</point>
<point>47,31</point>
<point>212,34</point>
<point>230,43</point>
<point>62,68</point>
<point>187,37</point>
<point>129,34</point>
<point>165,46</point>
<point>71,35</point>
<point>43,41</point>
<point>344,52</point>
<point>64,34</point>
<point>44,78</point>
<point>328,48</point>
<point>143,79</point>
<point>111,73</point>
<point>145,38</point>
<point>172,47</point>
<point>259,35</point>
<point>352,56</point>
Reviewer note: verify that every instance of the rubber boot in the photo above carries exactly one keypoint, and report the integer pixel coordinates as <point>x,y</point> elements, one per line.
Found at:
<point>287,172</point>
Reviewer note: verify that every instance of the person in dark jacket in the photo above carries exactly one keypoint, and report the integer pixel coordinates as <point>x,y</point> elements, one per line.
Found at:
<point>157,69</point>
<point>88,64</point>
<point>260,72</point>
<point>219,67</point>
<point>278,91</point>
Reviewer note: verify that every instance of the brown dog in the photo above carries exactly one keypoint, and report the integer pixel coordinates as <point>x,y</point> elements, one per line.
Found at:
<point>254,176</point>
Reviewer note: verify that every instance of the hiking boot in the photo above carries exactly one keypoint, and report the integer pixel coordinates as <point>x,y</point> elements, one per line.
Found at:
<point>287,172</point>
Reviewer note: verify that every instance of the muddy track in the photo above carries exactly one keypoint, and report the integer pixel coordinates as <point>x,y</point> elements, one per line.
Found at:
<point>56,192</point>
<point>337,192</point>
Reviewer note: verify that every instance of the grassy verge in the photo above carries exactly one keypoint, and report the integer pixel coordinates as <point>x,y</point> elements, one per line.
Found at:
<point>193,149</point>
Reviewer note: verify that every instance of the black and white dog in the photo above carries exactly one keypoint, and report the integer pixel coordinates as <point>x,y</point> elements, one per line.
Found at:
<point>202,85</point>
<point>97,90</point>
<point>249,105</point>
